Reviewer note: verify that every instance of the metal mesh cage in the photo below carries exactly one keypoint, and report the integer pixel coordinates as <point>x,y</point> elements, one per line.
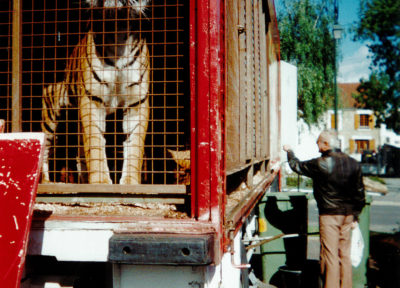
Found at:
<point>55,64</point>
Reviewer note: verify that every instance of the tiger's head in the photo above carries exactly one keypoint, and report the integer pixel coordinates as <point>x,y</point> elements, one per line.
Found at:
<point>136,7</point>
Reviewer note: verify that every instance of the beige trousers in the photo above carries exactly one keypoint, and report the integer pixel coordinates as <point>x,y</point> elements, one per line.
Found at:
<point>335,259</point>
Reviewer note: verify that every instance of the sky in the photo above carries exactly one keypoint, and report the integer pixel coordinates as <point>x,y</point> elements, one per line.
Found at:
<point>354,60</point>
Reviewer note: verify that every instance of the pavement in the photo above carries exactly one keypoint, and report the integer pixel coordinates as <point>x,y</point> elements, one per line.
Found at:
<point>385,210</point>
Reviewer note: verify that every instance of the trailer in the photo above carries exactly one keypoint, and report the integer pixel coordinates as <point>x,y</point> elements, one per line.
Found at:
<point>210,148</point>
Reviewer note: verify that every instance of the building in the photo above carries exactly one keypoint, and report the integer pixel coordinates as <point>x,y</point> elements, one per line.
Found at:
<point>288,91</point>
<point>357,127</point>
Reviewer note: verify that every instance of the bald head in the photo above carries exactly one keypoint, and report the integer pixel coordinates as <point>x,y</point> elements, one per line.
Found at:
<point>327,140</point>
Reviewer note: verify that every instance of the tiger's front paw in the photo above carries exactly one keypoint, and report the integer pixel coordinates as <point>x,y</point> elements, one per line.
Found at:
<point>99,178</point>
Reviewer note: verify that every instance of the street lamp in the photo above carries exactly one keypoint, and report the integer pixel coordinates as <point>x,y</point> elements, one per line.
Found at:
<point>337,35</point>
<point>337,31</point>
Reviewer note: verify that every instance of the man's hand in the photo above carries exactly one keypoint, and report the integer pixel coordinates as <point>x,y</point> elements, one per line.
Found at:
<point>354,224</point>
<point>286,148</point>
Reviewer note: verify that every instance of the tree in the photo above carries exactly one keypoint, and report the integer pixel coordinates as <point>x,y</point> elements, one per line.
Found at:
<point>306,41</point>
<point>380,25</point>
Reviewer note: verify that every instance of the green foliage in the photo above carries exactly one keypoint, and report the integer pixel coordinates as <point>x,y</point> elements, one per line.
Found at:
<point>379,25</point>
<point>292,181</point>
<point>306,41</point>
<point>295,180</point>
<point>377,179</point>
<point>372,95</point>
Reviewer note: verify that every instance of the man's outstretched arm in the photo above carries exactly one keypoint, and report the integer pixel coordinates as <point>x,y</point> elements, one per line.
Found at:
<point>307,168</point>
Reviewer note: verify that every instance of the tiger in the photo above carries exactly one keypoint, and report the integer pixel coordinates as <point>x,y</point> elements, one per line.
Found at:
<point>182,160</point>
<point>108,69</point>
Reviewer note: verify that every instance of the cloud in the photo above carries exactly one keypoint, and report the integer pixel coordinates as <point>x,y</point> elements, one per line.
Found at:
<point>355,66</point>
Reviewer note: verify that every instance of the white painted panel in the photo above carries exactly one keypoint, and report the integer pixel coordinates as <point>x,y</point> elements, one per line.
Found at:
<point>155,276</point>
<point>71,245</point>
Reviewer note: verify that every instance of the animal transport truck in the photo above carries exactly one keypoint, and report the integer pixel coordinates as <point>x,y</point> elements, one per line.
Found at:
<point>179,100</point>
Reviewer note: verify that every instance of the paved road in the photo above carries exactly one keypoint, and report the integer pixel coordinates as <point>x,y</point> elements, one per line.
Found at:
<point>385,210</point>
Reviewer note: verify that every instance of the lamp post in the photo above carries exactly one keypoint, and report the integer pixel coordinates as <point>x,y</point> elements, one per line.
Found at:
<point>337,35</point>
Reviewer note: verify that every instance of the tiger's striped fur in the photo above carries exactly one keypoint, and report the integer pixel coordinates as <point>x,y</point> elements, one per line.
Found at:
<point>98,84</point>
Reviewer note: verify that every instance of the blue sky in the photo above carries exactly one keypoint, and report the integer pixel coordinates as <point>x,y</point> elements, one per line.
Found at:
<point>354,60</point>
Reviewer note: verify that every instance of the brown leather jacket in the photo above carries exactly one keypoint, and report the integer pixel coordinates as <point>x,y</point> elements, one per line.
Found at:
<point>337,182</point>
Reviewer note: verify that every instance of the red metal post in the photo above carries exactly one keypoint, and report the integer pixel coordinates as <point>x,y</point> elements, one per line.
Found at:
<point>207,110</point>
<point>217,113</point>
<point>207,106</point>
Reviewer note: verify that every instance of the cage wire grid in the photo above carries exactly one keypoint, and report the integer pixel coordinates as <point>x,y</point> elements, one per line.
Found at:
<point>50,32</point>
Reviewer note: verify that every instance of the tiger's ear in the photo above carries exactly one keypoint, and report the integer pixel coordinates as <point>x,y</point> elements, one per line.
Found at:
<point>90,3</point>
<point>139,6</point>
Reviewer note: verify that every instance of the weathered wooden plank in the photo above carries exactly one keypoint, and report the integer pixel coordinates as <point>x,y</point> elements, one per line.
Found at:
<point>246,166</point>
<point>115,188</point>
<point>16,67</point>
<point>250,79</point>
<point>264,87</point>
<point>242,81</point>
<point>232,85</point>
<point>257,80</point>
<point>98,199</point>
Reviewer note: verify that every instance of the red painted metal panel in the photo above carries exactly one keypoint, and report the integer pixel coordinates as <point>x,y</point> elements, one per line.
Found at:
<point>207,108</point>
<point>20,162</point>
<point>201,110</point>
<point>207,112</point>
<point>217,113</point>
<point>193,102</point>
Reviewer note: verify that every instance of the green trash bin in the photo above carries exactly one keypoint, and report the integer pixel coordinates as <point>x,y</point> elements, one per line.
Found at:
<point>360,272</point>
<point>283,258</point>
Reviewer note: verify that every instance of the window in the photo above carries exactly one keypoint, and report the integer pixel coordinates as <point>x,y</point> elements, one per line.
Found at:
<point>364,120</point>
<point>362,145</point>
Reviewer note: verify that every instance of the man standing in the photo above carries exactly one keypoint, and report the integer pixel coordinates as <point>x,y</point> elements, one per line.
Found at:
<point>340,196</point>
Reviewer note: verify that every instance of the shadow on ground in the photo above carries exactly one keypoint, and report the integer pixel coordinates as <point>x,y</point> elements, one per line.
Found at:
<point>384,262</point>
<point>383,266</point>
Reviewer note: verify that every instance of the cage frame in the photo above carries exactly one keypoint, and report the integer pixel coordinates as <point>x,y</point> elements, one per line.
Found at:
<point>207,192</point>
